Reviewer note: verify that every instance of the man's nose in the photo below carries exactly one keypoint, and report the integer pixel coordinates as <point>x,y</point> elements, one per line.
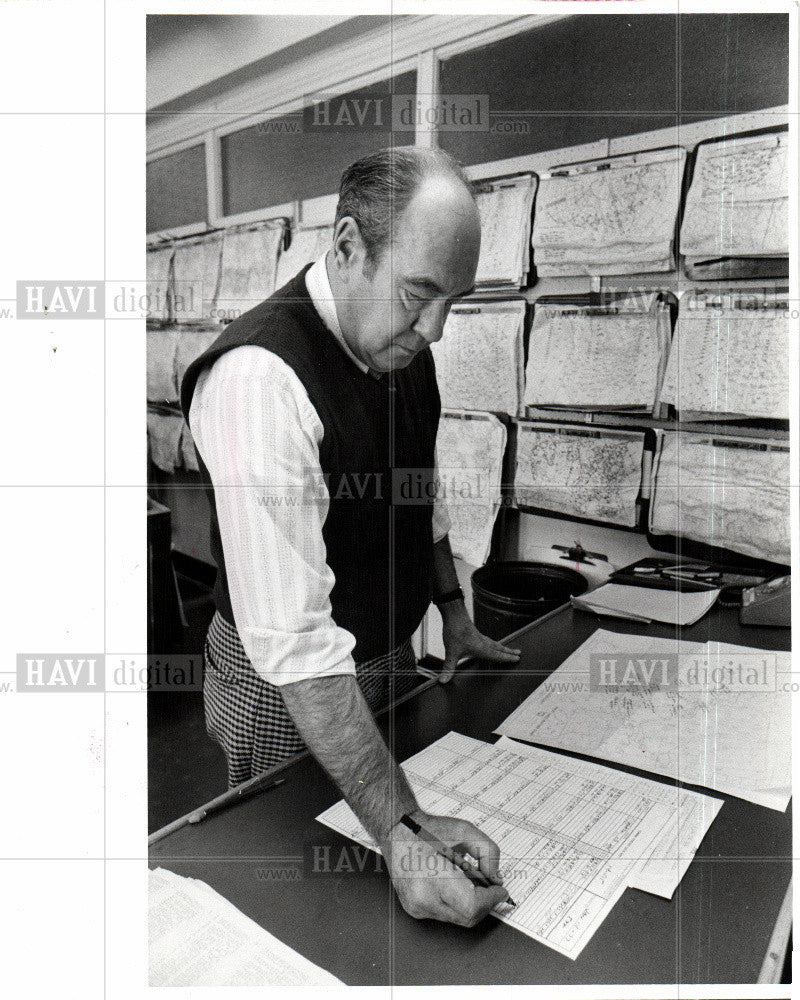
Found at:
<point>430,322</point>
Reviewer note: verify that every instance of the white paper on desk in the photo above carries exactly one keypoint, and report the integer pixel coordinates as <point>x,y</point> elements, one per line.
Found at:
<point>690,814</point>
<point>734,741</point>
<point>572,834</point>
<point>198,938</point>
<point>470,450</point>
<point>648,603</point>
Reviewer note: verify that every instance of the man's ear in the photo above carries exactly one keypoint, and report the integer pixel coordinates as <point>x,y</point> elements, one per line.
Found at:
<point>348,246</point>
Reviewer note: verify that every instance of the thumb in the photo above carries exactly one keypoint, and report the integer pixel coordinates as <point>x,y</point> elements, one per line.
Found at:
<point>449,668</point>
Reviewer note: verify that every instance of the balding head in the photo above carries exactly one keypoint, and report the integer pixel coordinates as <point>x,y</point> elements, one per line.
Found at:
<point>377,190</point>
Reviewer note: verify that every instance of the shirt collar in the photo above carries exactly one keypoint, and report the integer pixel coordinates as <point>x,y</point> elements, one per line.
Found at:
<point>319,288</point>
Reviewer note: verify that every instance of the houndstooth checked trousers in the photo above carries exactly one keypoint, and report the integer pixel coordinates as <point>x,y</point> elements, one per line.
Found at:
<point>245,714</point>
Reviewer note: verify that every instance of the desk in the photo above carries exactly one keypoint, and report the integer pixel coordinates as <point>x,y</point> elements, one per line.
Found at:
<point>716,928</point>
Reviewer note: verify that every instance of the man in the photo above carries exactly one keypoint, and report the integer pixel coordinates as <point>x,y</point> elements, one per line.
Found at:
<point>302,411</point>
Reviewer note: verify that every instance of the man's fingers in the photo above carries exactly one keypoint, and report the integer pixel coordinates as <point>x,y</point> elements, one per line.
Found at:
<point>448,670</point>
<point>469,904</point>
<point>498,651</point>
<point>483,849</point>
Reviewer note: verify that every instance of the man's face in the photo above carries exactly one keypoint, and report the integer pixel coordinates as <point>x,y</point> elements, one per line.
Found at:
<point>392,309</point>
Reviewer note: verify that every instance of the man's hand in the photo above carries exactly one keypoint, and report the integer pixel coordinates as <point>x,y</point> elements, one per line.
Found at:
<point>428,885</point>
<point>461,638</point>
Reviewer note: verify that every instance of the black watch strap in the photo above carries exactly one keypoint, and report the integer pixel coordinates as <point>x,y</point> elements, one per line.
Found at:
<point>451,595</point>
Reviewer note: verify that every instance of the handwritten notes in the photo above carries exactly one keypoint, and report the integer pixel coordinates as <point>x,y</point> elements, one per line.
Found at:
<point>579,472</point>
<point>249,260</point>
<point>573,835</point>
<point>196,278</point>
<point>738,203</point>
<point>593,359</point>
<point>710,714</point>
<point>307,246</point>
<point>729,363</point>
<point>479,360</point>
<point>470,450</point>
<point>505,209</point>
<point>732,493</point>
<point>158,282</point>
<point>613,216</point>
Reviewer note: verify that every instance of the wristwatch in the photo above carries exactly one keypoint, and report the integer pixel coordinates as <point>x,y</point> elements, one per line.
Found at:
<point>451,595</point>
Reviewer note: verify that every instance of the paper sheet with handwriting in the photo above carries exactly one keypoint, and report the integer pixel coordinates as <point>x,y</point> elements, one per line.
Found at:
<point>573,835</point>
<point>249,261</point>
<point>196,279</point>
<point>470,451</point>
<point>729,363</point>
<point>479,360</point>
<point>709,714</point>
<point>158,279</point>
<point>505,211</point>
<point>161,348</point>
<point>732,493</point>
<point>198,938</point>
<point>738,202</point>
<point>583,358</point>
<point>579,472</point>
<point>307,246</point>
<point>618,219</point>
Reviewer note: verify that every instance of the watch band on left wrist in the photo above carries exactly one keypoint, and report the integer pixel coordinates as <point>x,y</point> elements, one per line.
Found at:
<point>450,596</point>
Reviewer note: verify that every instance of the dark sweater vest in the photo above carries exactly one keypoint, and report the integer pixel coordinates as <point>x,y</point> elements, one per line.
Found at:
<point>380,551</point>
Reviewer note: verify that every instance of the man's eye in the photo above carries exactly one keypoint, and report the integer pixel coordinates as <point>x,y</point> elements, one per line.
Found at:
<point>413,299</point>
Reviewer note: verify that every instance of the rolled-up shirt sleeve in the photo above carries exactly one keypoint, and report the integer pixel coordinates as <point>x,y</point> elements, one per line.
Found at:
<point>259,436</point>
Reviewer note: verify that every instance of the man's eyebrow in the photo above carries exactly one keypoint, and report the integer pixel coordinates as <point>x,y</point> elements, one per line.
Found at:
<point>434,289</point>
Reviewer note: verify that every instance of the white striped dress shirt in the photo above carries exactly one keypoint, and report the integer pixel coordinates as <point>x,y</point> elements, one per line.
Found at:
<point>259,436</point>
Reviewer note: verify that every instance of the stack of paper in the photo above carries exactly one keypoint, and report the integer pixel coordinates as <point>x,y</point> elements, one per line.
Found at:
<point>611,216</point>
<point>198,938</point>
<point>505,208</point>
<point>572,834</point>
<point>196,278</point>
<point>307,246</point>
<point>647,604</point>
<point>738,203</point>
<point>607,358</point>
<point>579,472</point>
<point>159,263</point>
<point>470,448</point>
<point>709,714</point>
<point>728,492</point>
<point>729,363</point>
<point>249,262</point>
<point>479,360</point>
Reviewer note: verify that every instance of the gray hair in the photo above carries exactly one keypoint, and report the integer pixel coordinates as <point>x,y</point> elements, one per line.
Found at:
<point>376,190</point>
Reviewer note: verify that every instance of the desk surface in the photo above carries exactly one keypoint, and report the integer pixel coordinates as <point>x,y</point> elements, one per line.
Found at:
<point>716,928</point>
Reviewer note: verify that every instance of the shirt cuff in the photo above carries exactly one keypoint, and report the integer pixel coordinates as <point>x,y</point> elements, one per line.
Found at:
<point>287,657</point>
